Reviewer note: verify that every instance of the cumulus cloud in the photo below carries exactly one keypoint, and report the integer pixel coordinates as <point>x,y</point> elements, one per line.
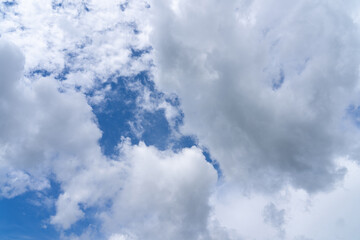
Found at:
<point>50,130</point>
<point>149,192</point>
<point>80,42</point>
<point>165,195</point>
<point>272,80</point>
<point>43,127</point>
<point>87,45</point>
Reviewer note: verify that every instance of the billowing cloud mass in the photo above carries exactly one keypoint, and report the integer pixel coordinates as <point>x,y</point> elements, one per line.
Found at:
<point>51,130</point>
<point>273,80</point>
<point>205,120</point>
<point>150,192</point>
<point>41,127</point>
<point>172,189</point>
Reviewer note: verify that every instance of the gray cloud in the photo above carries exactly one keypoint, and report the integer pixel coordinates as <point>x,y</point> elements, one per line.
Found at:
<point>165,195</point>
<point>264,85</point>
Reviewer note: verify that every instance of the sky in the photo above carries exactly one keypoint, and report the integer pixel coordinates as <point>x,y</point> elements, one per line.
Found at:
<point>179,119</point>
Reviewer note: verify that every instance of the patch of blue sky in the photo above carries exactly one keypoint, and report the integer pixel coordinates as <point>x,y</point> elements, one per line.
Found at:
<point>39,72</point>
<point>123,6</point>
<point>56,4</point>
<point>278,82</point>
<point>63,74</point>
<point>144,78</point>
<point>213,162</point>
<point>86,7</point>
<point>157,131</point>
<point>61,4</point>
<point>119,109</point>
<point>5,6</point>
<point>184,142</point>
<point>114,115</point>
<point>136,53</point>
<point>354,113</point>
<point>27,216</point>
<point>9,3</point>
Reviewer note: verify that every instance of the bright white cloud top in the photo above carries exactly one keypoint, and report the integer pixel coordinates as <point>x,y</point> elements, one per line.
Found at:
<point>202,120</point>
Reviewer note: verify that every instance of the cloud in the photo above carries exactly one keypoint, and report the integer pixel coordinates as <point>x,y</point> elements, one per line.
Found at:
<point>272,80</point>
<point>43,129</point>
<point>150,191</point>
<point>118,237</point>
<point>50,132</point>
<point>165,193</point>
<point>14,182</point>
<point>291,213</point>
<point>79,42</point>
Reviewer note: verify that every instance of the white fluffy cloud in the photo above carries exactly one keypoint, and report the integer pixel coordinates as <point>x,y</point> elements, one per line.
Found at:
<point>265,85</point>
<point>50,130</point>
<point>149,192</point>
<point>165,195</point>
<point>87,40</point>
<point>40,126</point>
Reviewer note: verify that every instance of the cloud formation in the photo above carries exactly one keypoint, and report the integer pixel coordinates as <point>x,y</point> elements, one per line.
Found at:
<point>292,214</point>
<point>38,124</point>
<point>272,80</point>
<point>50,130</point>
<point>269,89</point>
<point>79,42</point>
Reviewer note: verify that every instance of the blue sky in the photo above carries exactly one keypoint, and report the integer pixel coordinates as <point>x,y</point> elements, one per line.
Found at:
<point>206,120</point>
